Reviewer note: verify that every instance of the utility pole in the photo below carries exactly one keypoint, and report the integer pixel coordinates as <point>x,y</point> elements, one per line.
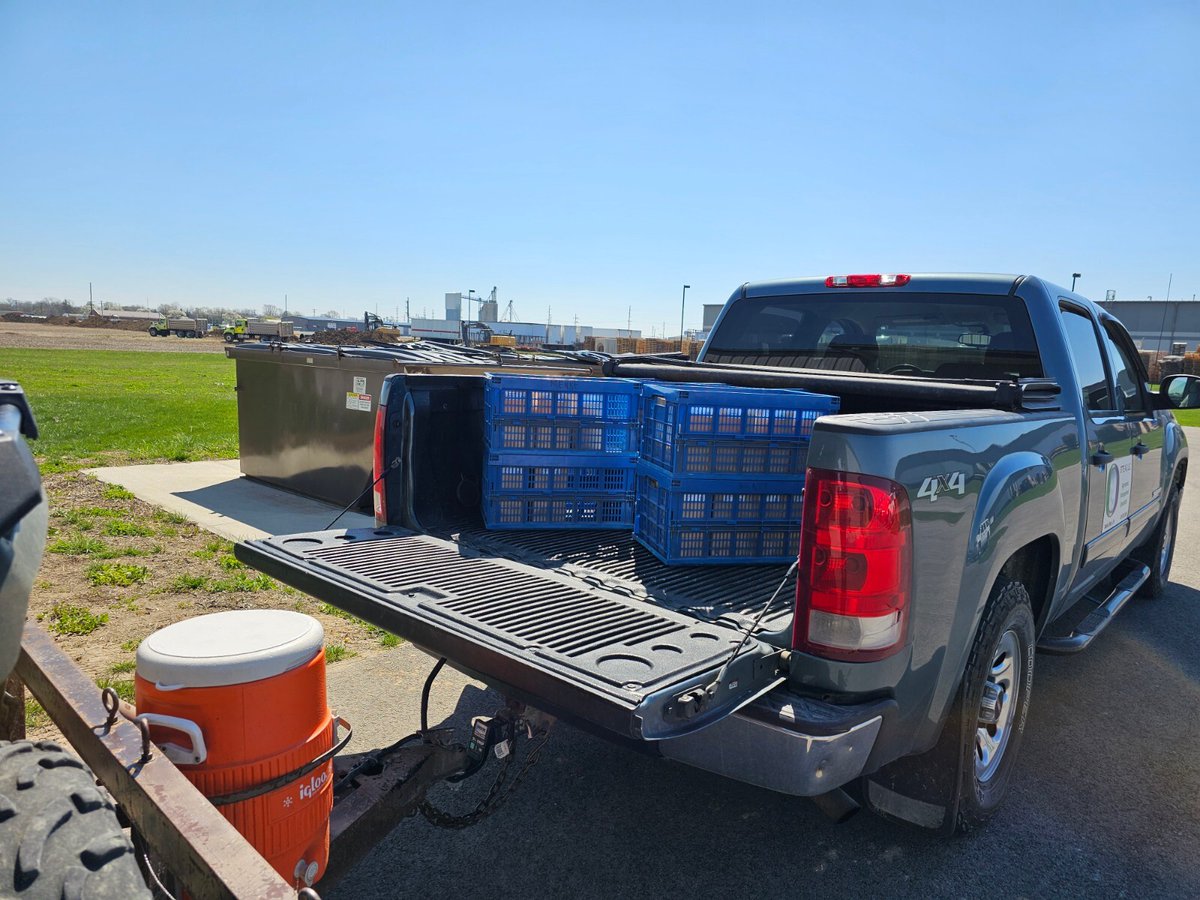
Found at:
<point>682,307</point>
<point>1162,326</point>
<point>407,314</point>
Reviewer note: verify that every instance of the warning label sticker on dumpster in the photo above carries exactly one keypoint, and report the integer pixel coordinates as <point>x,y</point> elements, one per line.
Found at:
<point>360,384</point>
<point>361,402</point>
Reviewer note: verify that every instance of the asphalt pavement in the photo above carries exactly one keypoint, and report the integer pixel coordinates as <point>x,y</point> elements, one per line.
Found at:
<point>1105,802</point>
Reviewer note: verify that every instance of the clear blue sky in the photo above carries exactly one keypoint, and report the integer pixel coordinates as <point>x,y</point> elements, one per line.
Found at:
<point>589,157</point>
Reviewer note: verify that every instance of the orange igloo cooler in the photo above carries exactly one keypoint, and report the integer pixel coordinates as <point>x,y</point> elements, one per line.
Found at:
<point>237,700</point>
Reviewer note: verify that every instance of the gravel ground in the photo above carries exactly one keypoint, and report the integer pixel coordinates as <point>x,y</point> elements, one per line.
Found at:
<point>36,336</point>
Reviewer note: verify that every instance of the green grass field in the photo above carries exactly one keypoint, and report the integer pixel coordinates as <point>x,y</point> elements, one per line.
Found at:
<point>112,407</point>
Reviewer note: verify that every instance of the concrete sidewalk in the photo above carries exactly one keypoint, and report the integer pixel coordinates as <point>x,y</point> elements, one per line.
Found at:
<point>215,496</point>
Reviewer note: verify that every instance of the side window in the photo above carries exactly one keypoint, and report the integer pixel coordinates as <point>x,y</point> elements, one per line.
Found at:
<point>1089,364</point>
<point>1126,372</point>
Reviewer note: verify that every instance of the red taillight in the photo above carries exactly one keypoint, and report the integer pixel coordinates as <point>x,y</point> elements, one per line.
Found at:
<point>838,281</point>
<point>855,560</point>
<point>379,492</point>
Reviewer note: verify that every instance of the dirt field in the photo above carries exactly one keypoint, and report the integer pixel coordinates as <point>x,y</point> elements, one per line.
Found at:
<point>37,336</point>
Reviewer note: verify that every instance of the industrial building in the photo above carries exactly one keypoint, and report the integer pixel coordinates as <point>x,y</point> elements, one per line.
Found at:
<point>322,323</point>
<point>526,333</point>
<point>1157,324</point>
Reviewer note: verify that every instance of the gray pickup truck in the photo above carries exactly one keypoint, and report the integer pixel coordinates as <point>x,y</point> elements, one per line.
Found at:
<point>999,481</point>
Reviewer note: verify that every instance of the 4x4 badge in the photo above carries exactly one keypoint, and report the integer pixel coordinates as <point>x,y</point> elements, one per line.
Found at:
<point>936,484</point>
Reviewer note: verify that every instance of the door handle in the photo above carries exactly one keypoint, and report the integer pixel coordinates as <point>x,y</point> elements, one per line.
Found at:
<point>1101,458</point>
<point>1140,449</point>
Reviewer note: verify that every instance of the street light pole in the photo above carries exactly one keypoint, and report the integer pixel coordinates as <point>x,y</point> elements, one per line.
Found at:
<point>682,308</point>
<point>1074,275</point>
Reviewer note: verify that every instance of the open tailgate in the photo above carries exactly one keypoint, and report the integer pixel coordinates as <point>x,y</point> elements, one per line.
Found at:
<point>573,649</point>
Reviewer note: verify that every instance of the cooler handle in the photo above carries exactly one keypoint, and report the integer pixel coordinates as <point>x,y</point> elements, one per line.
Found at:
<point>188,756</point>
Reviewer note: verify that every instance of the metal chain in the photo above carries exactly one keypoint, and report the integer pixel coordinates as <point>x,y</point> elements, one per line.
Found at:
<point>496,796</point>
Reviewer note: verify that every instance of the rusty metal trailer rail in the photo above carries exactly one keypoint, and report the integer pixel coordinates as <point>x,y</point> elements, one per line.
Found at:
<point>184,832</point>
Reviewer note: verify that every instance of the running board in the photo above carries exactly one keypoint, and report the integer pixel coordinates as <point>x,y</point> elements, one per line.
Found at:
<point>1094,623</point>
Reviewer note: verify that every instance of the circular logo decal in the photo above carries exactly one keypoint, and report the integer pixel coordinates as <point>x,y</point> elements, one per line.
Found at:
<point>1112,491</point>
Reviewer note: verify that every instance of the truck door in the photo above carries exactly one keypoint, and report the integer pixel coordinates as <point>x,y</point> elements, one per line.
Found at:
<point>1145,427</point>
<point>1106,458</point>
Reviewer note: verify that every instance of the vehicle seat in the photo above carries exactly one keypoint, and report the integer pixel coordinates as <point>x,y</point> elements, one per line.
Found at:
<point>1010,353</point>
<point>852,352</point>
<point>964,370</point>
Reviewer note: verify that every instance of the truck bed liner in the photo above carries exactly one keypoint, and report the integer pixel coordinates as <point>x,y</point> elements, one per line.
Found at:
<point>616,562</point>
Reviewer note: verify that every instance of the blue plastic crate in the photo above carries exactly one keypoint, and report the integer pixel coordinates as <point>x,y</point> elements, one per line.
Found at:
<point>543,414</point>
<point>706,521</point>
<point>521,474</point>
<point>571,491</point>
<point>717,430</point>
<point>542,436</point>
<point>554,396</point>
<point>504,512</point>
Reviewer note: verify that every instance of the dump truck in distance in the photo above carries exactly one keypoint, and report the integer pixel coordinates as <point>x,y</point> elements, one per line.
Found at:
<point>180,327</point>
<point>258,329</point>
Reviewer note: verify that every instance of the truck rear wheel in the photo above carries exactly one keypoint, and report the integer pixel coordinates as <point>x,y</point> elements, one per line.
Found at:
<point>994,702</point>
<point>1159,550</point>
<point>59,836</point>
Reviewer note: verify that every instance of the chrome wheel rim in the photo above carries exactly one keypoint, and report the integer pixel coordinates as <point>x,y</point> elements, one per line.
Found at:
<point>1164,558</point>
<point>998,711</point>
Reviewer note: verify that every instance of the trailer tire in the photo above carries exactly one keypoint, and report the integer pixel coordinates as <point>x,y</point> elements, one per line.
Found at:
<point>59,835</point>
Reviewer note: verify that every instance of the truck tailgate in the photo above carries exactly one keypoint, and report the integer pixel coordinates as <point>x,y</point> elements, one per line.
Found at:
<point>581,652</point>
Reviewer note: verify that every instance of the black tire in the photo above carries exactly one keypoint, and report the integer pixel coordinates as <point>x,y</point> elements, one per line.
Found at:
<point>1007,629</point>
<point>229,338</point>
<point>153,331</point>
<point>1159,550</point>
<point>59,835</point>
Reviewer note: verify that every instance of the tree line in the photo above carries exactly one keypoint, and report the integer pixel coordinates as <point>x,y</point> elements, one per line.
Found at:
<point>56,306</point>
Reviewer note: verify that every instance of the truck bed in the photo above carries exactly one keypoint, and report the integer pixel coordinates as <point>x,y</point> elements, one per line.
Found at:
<point>612,561</point>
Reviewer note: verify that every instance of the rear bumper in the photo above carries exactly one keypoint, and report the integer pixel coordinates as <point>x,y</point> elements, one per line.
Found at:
<point>786,743</point>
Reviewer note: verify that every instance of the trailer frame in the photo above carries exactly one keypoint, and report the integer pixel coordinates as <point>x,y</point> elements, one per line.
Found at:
<point>186,835</point>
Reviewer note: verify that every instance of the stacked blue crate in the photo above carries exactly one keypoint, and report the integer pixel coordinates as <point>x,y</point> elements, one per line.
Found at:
<point>721,474</point>
<point>561,452</point>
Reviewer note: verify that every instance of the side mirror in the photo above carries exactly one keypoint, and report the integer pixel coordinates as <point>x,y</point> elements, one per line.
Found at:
<point>1179,392</point>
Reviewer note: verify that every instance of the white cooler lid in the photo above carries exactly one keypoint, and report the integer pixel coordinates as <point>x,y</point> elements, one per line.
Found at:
<point>234,647</point>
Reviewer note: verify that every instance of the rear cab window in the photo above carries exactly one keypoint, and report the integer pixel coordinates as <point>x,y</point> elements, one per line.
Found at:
<point>936,335</point>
